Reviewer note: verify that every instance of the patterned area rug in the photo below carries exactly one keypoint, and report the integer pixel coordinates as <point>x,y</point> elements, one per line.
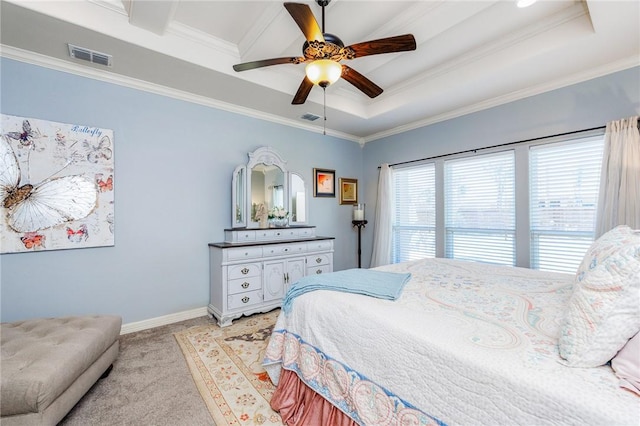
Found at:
<point>226,366</point>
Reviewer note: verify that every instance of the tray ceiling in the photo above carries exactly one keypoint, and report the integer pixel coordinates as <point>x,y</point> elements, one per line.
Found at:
<point>471,55</point>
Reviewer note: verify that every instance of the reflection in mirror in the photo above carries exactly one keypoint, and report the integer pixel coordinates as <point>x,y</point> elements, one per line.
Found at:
<point>238,197</point>
<point>298,199</point>
<point>267,187</point>
<point>277,196</point>
<point>240,192</point>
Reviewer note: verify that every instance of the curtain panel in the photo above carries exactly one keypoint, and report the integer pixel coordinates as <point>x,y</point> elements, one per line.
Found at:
<point>383,224</point>
<point>619,196</point>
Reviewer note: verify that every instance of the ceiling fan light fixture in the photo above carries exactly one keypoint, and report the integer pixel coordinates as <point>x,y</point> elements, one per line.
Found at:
<point>323,72</point>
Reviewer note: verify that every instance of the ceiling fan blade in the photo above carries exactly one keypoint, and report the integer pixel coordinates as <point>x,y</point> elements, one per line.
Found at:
<point>400,43</point>
<point>303,91</point>
<point>367,86</point>
<point>267,62</point>
<point>301,13</point>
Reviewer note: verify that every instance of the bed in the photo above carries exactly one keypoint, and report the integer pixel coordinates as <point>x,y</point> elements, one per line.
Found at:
<point>464,343</point>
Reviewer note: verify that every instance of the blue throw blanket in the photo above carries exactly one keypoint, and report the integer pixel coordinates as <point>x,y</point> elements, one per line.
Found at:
<point>384,285</point>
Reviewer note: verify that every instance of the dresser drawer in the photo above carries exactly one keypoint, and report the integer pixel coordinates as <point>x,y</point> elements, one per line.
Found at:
<point>306,232</point>
<point>244,236</point>
<point>265,234</point>
<point>244,284</point>
<point>239,235</point>
<point>322,269</point>
<point>289,233</point>
<point>241,300</point>
<point>244,270</point>
<point>276,234</point>
<point>284,249</point>
<point>244,253</point>
<point>318,260</point>
<point>320,245</point>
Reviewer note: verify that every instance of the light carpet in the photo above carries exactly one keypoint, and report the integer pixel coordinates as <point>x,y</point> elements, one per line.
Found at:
<point>226,365</point>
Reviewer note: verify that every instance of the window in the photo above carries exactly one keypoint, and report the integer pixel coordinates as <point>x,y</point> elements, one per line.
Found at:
<point>564,180</point>
<point>480,208</point>
<point>473,217</point>
<point>415,213</point>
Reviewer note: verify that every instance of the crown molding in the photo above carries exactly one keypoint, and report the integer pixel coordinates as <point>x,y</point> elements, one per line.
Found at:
<point>621,65</point>
<point>32,58</point>
<point>75,69</point>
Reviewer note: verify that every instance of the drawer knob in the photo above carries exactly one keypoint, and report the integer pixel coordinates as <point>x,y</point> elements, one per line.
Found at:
<point>318,259</point>
<point>286,249</point>
<point>244,271</point>
<point>245,299</point>
<point>244,285</point>
<point>318,271</point>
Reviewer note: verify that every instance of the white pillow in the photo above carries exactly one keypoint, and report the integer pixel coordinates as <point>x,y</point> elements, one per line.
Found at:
<point>627,365</point>
<point>604,309</point>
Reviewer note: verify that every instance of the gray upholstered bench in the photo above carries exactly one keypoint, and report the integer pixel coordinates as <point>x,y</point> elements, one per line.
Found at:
<point>47,365</point>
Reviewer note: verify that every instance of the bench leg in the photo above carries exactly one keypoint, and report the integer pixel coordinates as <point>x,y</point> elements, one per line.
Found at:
<point>106,372</point>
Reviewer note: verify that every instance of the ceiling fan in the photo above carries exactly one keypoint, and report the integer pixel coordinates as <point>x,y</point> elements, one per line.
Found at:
<point>323,53</point>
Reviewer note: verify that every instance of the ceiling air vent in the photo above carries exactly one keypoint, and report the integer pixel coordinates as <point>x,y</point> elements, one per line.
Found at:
<point>310,117</point>
<point>90,55</point>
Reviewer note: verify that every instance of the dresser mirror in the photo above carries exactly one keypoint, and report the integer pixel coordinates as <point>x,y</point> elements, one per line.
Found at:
<point>264,184</point>
<point>298,199</point>
<point>238,197</point>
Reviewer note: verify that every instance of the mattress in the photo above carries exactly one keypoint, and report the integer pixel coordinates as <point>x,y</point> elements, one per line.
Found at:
<point>465,343</point>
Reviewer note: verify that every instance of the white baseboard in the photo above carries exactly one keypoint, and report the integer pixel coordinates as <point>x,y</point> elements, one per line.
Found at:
<point>163,320</point>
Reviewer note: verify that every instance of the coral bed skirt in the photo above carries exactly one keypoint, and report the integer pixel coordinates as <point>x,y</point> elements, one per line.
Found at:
<point>299,405</point>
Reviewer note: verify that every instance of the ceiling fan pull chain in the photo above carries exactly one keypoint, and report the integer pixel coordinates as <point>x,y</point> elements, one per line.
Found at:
<point>324,111</point>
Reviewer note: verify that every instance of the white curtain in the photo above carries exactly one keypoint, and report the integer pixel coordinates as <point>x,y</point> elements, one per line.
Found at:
<point>619,197</point>
<point>383,226</point>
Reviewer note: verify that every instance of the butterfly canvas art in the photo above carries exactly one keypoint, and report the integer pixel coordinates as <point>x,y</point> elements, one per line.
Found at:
<point>52,187</point>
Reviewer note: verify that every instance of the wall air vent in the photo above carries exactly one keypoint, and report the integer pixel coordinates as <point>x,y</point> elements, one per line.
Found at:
<point>310,117</point>
<point>90,55</point>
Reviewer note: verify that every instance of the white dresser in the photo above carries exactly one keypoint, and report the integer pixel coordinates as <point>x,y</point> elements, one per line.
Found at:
<point>251,271</point>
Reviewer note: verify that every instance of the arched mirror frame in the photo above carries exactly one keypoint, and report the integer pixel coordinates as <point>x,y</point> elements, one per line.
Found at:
<point>241,190</point>
<point>268,157</point>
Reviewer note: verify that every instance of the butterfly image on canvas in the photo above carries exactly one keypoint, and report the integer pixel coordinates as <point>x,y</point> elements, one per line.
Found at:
<point>100,151</point>
<point>55,200</point>
<point>106,184</point>
<point>26,136</point>
<point>32,240</point>
<point>78,235</point>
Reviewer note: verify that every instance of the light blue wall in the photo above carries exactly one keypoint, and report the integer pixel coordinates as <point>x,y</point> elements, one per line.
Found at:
<point>173,166</point>
<point>581,106</point>
<point>174,160</point>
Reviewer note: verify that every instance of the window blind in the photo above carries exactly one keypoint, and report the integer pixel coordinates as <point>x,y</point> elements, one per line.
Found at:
<point>564,180</point>
<point>415,213</point>
<point>480,208</point>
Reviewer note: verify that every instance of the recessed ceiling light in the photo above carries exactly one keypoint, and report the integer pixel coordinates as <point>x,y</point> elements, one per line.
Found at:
<point>525,3</point>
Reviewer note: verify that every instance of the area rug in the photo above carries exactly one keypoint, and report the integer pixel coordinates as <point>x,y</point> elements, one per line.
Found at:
<point>226,365</point>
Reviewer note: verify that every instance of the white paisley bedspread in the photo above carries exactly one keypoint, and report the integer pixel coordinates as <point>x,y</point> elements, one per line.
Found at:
<point>465,343</point>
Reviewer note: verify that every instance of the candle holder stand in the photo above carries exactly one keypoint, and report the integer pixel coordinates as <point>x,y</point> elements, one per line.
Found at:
<point>360,224</point>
